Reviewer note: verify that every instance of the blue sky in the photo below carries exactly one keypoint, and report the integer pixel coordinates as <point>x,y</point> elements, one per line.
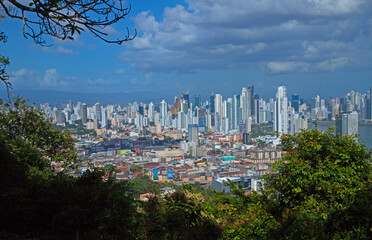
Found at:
<point>311,46</point>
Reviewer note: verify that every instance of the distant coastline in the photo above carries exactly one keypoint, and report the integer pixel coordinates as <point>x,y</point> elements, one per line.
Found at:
<point>328,123</point>
<point>365,130</point>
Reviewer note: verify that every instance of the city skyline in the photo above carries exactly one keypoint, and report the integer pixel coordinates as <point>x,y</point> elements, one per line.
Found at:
<point>119,98</point>
<point>307,46</point>
<point>230,115</point>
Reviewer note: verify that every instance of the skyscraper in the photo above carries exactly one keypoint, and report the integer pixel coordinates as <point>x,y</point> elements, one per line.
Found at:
<point>281,111</point>
<point>186,97</point>
<point>244,103</point>
<point>256,109</point>
<point>347,124</point>
<point>236,112</point>
<point>104,118</point>
<point>141,110</point>
<point>250,98</point>
<point>218,103</point>
<point>197,100</point>
<point>369,105</point>
<point>84,113</point>
<point>295,102</point>
<point>98,111</point>
<point>71,106</point>
<point>151,112</point>
<point>193,134</point>
<point>163,113</point>
<point>211,104</point>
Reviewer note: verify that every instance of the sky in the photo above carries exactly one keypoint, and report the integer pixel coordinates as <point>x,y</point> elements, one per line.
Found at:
<point>312,47</point>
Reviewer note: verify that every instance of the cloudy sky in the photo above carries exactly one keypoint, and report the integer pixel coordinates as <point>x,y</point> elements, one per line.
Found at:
<point>311,46</point>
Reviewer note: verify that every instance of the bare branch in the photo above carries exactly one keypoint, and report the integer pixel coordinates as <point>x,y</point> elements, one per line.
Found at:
<point>62,18</point>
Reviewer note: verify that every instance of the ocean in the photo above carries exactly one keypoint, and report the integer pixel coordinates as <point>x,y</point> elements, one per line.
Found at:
<point>365,132</point>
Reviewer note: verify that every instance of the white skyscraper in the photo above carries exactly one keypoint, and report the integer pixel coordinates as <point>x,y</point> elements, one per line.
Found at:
<point>244,104</point>
<point>151,112</point>
<point>281,111</point>
<point>104,118</point>
<point>218,104</point>
<point>163,113</point>
<point>349,124</point>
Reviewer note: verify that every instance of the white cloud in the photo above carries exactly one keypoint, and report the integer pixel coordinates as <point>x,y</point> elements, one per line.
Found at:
<point>58,50</point>
<point>286,67</point>
<point>50,79</point>
<point>332,64</point>
<point>17,77</point>
<point>101,81</point>
<point>120,71</point>
<point>283,35</point>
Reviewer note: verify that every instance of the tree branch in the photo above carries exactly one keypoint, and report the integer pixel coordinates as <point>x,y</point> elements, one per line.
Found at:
<point>62,18</point>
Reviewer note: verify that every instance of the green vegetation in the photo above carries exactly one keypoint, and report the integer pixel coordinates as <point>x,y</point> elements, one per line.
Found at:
<point>320,190</point>
<point>262,130</point>
<point>75,129</point>
<point>38,203</point>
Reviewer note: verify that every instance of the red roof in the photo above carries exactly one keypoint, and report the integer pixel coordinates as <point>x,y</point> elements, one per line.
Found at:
<point>151,165</point>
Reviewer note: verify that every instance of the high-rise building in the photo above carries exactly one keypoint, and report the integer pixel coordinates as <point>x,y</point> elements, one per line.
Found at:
<point>197,101</point>
<point>151,112</point>
<point>369,105</point>
<point>236,112</point>
<point>201,115</point>
<point>347,124</point>
<point>281,111</point>
<point>295,102</point>
<point>218,103</point>
<point>244,104</point>
<point>250,105</point>
<point>186,97</point>
<point>228,108</point>
<point>163,113</point>
<point>61,117</point>
<point>71,106</point>
<point>184,106</point>
<point>193,134</point>
<point>296,122</point>
<point>141,110</point>
<point>98,111</point>
<point>211,104</point>
<point>104,118</point>
<point>256,109</point>
<point>84,113</point>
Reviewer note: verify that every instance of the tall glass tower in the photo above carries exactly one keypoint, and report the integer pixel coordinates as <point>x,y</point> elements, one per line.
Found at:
<point>281,111</point>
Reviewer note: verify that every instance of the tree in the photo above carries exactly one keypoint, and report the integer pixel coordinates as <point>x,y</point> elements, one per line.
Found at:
<point>31,140</point>
<point>185,217</point>
<point>321,187</point>
<point>36,202</point>
<point>63,18</point>
<point>4,62</point>
<point>320,190</point>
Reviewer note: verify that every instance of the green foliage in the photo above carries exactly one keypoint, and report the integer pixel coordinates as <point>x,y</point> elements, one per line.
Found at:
<point>180,215</point>
<point>321,190</point>
<point>318,185</point>
<point>29,144</point>
<point>31,138</point>
<point>38,203</point>
<point>143,184</point>
<point>63,206</point>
